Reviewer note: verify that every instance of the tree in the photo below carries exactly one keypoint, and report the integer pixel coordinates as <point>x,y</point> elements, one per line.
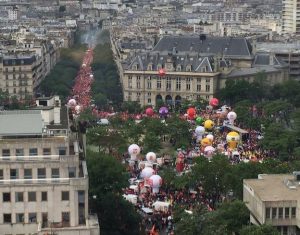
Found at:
<point>152,142</point>
<point>179,133</point>
<point>190,224</point>
<point>259,230</point>
<point>226,216</point>
<point>106,174</point>
<point>213,176</point>
<point>107,178</point>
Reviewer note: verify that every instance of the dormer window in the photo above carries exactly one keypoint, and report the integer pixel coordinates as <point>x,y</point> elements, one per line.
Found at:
<point>179,67</point>
<point>150,67</point>
<point>135,67</point>
<point>189,68</point>
<point>159,67</point>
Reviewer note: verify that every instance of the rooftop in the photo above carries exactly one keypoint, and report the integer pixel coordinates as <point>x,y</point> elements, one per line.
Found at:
<point>228,46</point>
<point>21,122</point>
<point>277,187</point>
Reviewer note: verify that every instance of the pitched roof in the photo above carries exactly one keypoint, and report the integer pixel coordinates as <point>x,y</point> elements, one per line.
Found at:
<point>21,122</point>
<point>227,46</point>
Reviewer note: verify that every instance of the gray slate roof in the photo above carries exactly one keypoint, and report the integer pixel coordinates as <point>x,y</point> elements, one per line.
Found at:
<point>21,122</point>
<point>227,46</point>
<point>180,62</point>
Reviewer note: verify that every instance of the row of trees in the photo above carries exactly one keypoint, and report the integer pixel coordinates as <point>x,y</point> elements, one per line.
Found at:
<point>61,79</point>
<point>149,133</point>
<point>107,178</point>
<point>106,87</point>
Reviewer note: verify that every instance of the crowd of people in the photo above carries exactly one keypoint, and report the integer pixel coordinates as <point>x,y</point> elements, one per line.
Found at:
<point>246,149</point>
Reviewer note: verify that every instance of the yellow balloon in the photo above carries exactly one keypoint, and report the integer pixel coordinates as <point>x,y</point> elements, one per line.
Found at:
<point>232,139</point>
<point>206,142</point>
<point>209,124</point>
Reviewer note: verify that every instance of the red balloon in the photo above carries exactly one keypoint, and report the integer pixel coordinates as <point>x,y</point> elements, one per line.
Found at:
<point>214,102</point>
<point>149,112</point>
<point>162,72</point>
<point>191,112</point>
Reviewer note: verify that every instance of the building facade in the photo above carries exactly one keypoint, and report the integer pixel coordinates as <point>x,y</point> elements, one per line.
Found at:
<point>194,68</point>
<point>43,174</point>
<point>290,16</point>
<point>274,200</point>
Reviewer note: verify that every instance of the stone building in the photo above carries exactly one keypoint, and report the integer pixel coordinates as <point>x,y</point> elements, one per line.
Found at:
<point>274,200</point>
<point>43,173</point>
<point>194,67</point>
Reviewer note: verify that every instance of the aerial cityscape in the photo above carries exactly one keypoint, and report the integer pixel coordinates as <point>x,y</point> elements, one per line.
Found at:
<point>135,117</point>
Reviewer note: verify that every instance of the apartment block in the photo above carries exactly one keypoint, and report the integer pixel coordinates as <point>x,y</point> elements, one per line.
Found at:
<point>43,173</point>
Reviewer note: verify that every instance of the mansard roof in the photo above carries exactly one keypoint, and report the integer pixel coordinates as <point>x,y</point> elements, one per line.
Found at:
<point>225,46</point>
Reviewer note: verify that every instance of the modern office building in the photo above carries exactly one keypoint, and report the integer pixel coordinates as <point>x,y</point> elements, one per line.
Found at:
<point>291,16</point>
<point>43,173</point>
<point>274,200</point>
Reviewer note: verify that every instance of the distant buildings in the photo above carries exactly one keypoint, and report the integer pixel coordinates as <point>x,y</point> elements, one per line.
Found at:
<point>195,67</point>
<point>274,200</point>
<point>43,173</point>
<point>290,16</point>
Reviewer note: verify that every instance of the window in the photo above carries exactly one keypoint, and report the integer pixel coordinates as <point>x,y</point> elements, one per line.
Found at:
<point>7,218</point>
<point>178,84</point>
<point>5,152</point>
<point>32,196</point>
<point>44,196</point>
<point>149,100</point>
<point>41,173</point>
<point>19,218</point>
<point>138,82</point>
<point>44,219</point>
<point>14,174</point>
<point>19,197</point>
<point>268,211</point>
<point>188,86</point>
<point>149,84</point>
<point>280,213</point>
<point>284,230</point>
<point>158,84</point>
<point>62,151</point>
<point>274,212</point>
<point>6,197</point>
<point>72,172</point>
<point>19,152</point>
<point>1,174</point>
<point>293,212</point>
<point>33,152</point>
<point>55,173</point>
<point>129,82</point>
<point>198,87</point>
<point>65,218</point>
<point>32,217</point>
<point>207,88</point>
<point>168,87</point>
<point>46,151</point>
<point>65,195</point>
<point>27,173</point>
<point>287,212</point>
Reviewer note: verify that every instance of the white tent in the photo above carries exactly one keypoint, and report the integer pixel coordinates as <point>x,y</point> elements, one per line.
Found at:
<point>131,198</point>
<point>161,206</point>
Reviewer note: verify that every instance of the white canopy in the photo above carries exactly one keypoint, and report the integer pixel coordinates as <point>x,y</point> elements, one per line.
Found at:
<point>161,206</point>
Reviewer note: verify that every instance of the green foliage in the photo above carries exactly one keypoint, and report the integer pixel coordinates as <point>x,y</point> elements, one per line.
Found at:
<point>212,175</point>
<point>190,224</point>
<point>259,230</point>
<point>106,87</point>
<point>178,131</point>
<point>107,177</point>
<point>131,107</point>
<point>61,78</point>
